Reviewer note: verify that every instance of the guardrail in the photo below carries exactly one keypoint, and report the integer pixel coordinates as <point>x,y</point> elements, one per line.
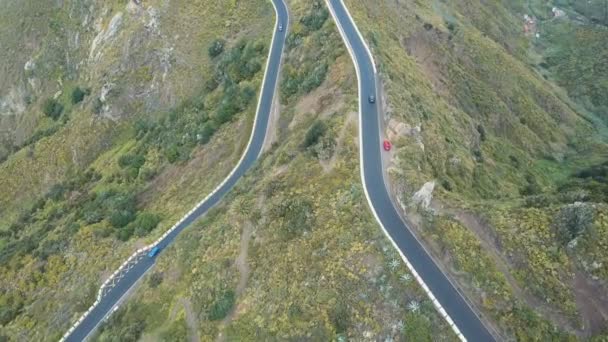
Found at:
<point>124,267</point>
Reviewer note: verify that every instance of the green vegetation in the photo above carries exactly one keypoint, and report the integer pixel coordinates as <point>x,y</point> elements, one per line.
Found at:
<point>522,171</point>
<point>222,306</point>
<point>316,266</point>
<point>575,56</point>
<point>216,48</point>
<point>195,122</point>
<point>80,195</point>
<point>517,161</point>
<point>109,204</point>
<point>308,31</point>
<point>78,95</point>
<point>314,133</point>
<point>52,108</point>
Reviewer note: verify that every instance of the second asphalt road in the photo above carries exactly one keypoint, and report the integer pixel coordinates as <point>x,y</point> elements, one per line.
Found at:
<point>465,321</point>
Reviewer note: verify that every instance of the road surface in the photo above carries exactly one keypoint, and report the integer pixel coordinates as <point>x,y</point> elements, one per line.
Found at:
<point>115,295</point>
<point>465,319</point>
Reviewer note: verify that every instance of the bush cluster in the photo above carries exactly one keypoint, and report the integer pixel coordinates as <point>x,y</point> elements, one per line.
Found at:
<point>52,108</point>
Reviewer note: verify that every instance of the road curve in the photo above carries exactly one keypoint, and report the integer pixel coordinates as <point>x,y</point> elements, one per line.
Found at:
<point>447,299</point>
<point>113,297</point>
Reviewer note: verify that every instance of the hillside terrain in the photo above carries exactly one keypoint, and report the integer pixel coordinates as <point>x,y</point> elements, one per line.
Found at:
<point>117,126</point>
<point>293,253</point>
<point>497,114</point>
<point>116,117</point>
<point>148,111</point>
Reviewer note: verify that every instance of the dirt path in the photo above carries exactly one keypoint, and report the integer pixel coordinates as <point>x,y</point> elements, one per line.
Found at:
<point>241,260</point>
<point>329,164</point>
<point>244,270</point>
<point>272,132</point>
<point>191,320</point>
<point>592,302</point>
<point>491,246</point>
<point>591,297</point>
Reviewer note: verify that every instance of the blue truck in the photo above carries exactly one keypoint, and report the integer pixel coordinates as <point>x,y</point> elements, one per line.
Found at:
<point>153,252</point>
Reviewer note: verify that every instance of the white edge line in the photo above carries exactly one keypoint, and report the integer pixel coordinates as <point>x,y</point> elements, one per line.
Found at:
<point>435,302</point>
<point>274,32</point>
<point>113,309</point>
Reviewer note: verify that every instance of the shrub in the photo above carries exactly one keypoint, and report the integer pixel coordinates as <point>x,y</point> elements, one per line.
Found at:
<point>78,95</point>
<point>145,223</point>
<point>314,134</point>
<point>316,18</point>
<point>291,83</point>
<point>572,220</point>
<point>478,155</point>
<point>325,147</point>
<point>340,318</point>
<point>11,307</point>
<point>206,133</point>
<point>131,160</point>
<point>315,78</point>
<point>56,192</point>
<point>211,84</point>
<point>482,132</point>
<point>93,216</point>
<point>295,215</point>
<point>97,106</point>
<point>172,153</point>
<point>126,325</point>
<point>52,108</point>
<point>121,218</point>
<point>155,279</point>
<point>445,183</point>
<point>124,233</point>
<point>216,48</point>
<point>532,188</point>
<point>222,306</point>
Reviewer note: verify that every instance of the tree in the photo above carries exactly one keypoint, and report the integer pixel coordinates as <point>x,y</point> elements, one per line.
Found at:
<point>52,108</point>
<point>216,48</point>
<point>78,95</point>
<point>172,153</point>
<point>222,306</point>
<point>121,218</point>
<point>206,132</point>
<point>155,279</point>
<point>145,223</point>
<point>316,131</point>
<point>573,220</point>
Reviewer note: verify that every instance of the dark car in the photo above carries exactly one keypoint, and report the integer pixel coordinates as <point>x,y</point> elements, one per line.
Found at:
<point>372,99</point>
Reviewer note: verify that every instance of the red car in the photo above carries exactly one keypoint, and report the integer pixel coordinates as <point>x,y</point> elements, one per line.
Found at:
<point>387,145</point>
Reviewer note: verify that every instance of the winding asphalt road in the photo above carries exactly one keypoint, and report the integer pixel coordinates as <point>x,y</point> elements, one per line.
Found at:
<point>452,303</point>
<point>116,294</point>
<point>450,299</point>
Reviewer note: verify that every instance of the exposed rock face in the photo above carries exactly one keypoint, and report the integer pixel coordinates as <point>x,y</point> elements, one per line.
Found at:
<point>121,54</point>
<point>398,129</point>
<point>105,36</point>
<point>424,195</point>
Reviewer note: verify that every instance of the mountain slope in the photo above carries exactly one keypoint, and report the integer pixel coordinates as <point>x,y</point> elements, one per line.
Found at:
<point>125,156</point>
<point>512,161</point>
<point>293,253</point>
